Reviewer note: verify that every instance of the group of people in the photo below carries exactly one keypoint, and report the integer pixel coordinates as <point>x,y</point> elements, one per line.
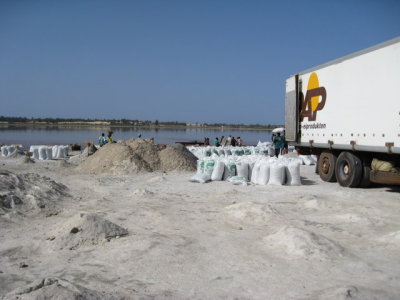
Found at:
<point>105,140</point>
<point>229,141</point>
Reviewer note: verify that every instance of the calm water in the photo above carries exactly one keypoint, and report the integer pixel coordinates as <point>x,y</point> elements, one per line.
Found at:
<point>57,136</point>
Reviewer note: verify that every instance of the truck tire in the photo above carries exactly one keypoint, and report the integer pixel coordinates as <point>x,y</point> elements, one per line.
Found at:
<point>326,166</point>
<point>349,169</point>
<point>365,182</point>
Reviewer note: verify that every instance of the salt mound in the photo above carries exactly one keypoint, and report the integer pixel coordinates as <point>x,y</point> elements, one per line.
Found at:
<point>86,230</point>
<point>299,243</point>
<point>249,212</point>
<point>177,158</point>
<point>56,288</point>
<point>29,193</point>
<point>351,292</point>
<point>134,156</point>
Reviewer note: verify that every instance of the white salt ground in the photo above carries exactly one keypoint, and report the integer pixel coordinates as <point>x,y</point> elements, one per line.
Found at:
<point>188,240</point>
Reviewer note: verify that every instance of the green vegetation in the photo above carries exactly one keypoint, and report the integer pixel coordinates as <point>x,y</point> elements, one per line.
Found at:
<point>122,123</point>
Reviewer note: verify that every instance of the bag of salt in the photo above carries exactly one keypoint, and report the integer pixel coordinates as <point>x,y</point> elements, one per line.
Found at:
<point>230,170</point>
<point>236,180</point>
<point>242,169</point>
<point>200,166</point>
<point>218,171</point>
<point>4,151</point>
<point>42,153</point>
<point>49,153</point>
<point>209,167</point>
<point>255,172</point>
<point>293,173</point>
<point>263,174</point>
<point>200,178</point>
<point>277,174</point>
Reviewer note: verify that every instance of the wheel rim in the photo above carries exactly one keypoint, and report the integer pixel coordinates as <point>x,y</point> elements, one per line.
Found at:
<point>325,166</point>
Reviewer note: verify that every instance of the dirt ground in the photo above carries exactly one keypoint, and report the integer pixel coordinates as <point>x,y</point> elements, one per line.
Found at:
<point>199,241</point>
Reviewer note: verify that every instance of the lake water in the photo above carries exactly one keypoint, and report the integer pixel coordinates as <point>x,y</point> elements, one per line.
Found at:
<point>60,136</point>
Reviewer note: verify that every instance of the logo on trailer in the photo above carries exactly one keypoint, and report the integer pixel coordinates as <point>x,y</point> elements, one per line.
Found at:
<point>315,99</point>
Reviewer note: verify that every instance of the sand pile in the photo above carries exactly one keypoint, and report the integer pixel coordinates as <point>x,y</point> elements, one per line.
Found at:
<point>86,230</point>
<point>29,193</point>
<point>134,156</point>
<point>177,158</point>
<point>56,288</point>
<point>251,213</point>
<point>295,242</point>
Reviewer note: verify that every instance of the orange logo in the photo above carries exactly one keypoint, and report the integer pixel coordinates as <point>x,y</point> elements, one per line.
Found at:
<point>314,101</point>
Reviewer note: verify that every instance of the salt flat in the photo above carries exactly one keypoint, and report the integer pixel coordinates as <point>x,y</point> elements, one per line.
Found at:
<point>190,240</point>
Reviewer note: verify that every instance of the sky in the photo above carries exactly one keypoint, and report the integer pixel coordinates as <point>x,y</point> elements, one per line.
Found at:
<point>188,61</point>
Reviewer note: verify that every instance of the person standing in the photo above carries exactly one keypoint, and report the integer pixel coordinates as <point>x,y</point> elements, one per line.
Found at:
<point>279,143</point>
<point>233,141</point>
<point>216,142</point>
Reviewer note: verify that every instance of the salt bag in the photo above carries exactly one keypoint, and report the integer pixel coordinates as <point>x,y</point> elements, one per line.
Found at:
<point>242,170</point>
<point>255,172</point>
<point>277,174</point>
<point>264,174</point>
<point>200,178</point>
<point>293,173</point>
<point>218,171</point>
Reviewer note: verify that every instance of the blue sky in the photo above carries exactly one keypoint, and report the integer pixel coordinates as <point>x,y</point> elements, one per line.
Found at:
<point>190,61</point>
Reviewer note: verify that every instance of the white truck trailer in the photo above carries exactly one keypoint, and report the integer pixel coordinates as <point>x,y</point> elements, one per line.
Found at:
<point>347,112</point>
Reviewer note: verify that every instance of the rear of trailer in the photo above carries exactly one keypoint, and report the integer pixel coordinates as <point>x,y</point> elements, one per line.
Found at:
<point>348,113</point>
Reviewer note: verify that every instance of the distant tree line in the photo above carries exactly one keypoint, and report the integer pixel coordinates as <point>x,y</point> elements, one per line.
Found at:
<point>126,122</point>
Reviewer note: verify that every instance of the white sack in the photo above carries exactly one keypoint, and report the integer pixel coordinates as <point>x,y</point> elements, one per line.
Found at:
<point>42,153</point>
<point>200,166</point>
<point>242,170</point>
<point>255,172</point>
<point>200,178</point>
<point>263,175</point>
<point>293,173</point>
<point>4,151</point>
<point>218,171</point>
<point>49,153</point>
<point>236,180</point>
<point>209,167</point>
<point>277,174</point>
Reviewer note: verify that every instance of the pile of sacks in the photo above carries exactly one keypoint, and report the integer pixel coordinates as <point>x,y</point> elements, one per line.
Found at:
<point>247,152</point>
<point>48,152</point>
<point>261,170</point>
<point>9,151</point>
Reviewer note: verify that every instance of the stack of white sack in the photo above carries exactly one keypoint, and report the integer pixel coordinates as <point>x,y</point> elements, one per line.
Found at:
<point>48,152</point>
<point>262,149</point>
<point>9,151</point>
<point>266,149</point>
<point>256,169</point>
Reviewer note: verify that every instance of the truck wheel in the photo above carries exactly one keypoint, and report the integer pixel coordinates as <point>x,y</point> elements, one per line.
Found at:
<point>349,169</point>
<point>326,166</point>
<point>365,182</point>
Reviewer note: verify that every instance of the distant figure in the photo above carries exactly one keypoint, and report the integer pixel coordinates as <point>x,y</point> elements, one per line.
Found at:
<point>206,141</point>
<point>279,143</point>
<point>109,137</point>
<point>239,141</point>
<point>102,140</point>
<point>233,141</point>
<point>216,142</point>
<point>139,135</point>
